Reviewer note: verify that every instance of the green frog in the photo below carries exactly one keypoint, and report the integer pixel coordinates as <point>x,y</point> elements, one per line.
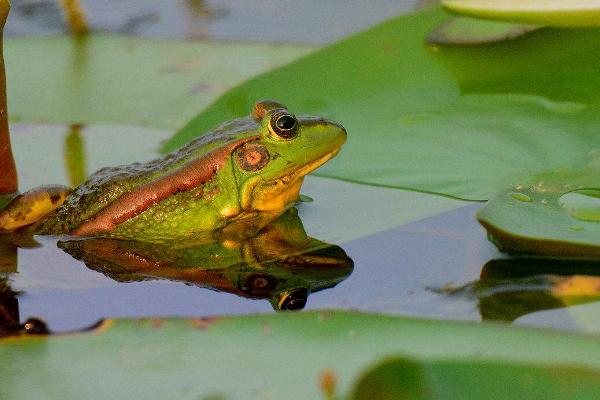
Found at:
<point>233,180</point>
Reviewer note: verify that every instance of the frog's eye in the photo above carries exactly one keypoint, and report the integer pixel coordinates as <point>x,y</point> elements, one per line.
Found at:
<point>252,157</point>
<point>283,124</point>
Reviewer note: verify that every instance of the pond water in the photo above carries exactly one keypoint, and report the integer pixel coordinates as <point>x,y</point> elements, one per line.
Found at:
<point>438,266</point>
<point>423,263</point>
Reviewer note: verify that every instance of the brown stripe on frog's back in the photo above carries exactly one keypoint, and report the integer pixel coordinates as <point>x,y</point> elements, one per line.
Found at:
<point>142,197</point>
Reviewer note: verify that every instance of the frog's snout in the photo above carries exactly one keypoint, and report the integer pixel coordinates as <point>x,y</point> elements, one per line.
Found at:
<point>340,132</point>
<point>325,132</point>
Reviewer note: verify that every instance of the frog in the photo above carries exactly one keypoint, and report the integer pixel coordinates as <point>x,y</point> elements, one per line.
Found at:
<point>233,180</point>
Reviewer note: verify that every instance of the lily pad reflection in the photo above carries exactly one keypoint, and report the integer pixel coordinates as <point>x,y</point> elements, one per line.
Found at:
<point>513,287</point>
<point>281,263</point>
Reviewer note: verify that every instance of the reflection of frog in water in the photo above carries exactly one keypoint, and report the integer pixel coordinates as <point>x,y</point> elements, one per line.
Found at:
<point>281,263</point>
<point>513,287</point>
<point>236,180</point>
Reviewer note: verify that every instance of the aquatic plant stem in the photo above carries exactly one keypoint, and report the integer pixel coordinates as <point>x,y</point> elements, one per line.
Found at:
<point>8,171</point>
<point>75,16</point>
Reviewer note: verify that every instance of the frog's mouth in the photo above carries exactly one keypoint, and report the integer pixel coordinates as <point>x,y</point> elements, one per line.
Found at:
<point>280,193</point>
<point>312,165</point>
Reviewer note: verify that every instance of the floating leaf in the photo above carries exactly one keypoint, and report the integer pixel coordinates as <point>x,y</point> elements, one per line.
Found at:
<point>571,13</point>
<point>129,81</point>
<point>530,219</point>
<point>262,356</point>
<point>471,31</point>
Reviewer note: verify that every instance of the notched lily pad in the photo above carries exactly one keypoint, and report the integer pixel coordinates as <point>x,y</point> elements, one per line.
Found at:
<point>533,219</point>
<point>571,13</point>
<point>471,31</point>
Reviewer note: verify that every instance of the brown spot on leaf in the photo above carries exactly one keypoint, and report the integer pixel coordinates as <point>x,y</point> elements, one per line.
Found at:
<point>204,322</point>
<point>156,323</point>
<point>328,383</point>
<point>266,329</point>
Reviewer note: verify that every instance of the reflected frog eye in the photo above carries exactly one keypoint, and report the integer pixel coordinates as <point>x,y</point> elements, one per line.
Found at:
<point>283,124</point>
<point>293,301</point>
<point>252,157</point>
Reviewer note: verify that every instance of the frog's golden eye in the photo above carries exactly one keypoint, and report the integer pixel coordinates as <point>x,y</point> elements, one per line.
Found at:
<point>253,157</point>
<point>283,124</point>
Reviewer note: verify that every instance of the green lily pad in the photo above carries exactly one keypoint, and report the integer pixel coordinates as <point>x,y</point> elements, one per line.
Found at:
<point>263,356</point>
<point>114,79</point>
<point>529,218</point>
<point>465,122</point>
<point>571,13</point>
<point>400,378</point>
<point>471,31</point>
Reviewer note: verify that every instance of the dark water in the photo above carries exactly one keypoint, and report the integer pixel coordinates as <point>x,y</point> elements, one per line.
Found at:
<point>429,268</point>
<point>393,271</point>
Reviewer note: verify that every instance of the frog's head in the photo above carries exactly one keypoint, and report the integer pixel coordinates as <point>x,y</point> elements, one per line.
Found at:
<point>270,169</point>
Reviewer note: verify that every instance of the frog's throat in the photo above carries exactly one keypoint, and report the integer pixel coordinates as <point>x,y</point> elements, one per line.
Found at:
<point>135,202</point>
<point>281,193</point>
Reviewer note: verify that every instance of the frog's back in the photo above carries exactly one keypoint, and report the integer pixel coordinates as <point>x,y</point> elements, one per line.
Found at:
<point>108,184</point>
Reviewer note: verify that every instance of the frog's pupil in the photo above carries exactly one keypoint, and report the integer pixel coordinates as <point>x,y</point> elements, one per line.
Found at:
<point>285,122</point>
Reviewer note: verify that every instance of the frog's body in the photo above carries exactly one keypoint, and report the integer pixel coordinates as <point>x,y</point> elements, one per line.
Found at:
<point>236,178</point>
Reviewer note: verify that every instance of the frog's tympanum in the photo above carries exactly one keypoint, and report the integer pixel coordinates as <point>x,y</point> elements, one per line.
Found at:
<point>281,263</point>
<point>235,180</point>
<point>513,287</point>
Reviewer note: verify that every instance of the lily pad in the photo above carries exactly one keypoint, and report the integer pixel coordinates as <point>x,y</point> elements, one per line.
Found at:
<point>572,13</point>
<point>465,122</point>
<point>114,79</point>
<point>530,218</point>
<point>264,356</point>
<point>471,31</point>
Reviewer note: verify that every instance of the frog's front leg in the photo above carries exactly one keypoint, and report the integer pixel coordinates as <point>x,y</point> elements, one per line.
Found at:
<point>32,206</point>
